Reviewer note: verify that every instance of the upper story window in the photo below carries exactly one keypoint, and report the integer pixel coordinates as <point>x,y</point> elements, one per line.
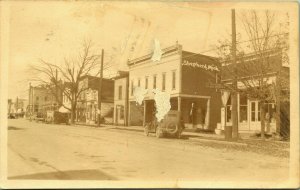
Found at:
<point>154,81</point>
<point>139,82</point>
<point>163,88</point>
<point>146,82</point>
<point>173,80</point>
<point>46,98</point>
<point>120,92</point>
<point>37,98</point>
<point>131,88</point>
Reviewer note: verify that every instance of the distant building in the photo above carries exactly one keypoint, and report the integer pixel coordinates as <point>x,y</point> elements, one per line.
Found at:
<point>42,99</point>
<point>185,76</point>
<point>121,98</point>
<point>87,105</point>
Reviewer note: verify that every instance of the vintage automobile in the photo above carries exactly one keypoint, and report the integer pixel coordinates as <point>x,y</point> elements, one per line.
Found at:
<point>171,125</point>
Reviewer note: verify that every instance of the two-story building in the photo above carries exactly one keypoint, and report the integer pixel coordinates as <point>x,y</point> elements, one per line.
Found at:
<point>249,69</point>
<point>87,105</point>
<point>121,100</point>
<point>41,99</point>
<point>185,76</point>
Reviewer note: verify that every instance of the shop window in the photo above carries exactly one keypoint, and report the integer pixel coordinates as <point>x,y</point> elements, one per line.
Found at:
<point>271,110</point>
<point>154,81</point>
<point>122,112</point>
<point>163,81</point>
<point>228,110</point>
<point>253,111</point>
<point>243,108</point>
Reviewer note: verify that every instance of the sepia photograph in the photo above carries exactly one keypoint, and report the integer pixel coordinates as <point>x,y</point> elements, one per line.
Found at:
<point>149,94</point>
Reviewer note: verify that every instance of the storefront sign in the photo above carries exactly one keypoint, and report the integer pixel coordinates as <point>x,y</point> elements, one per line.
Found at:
<point>202,66</point>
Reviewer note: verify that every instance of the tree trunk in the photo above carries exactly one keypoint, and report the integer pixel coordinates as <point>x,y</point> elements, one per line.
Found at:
<point>262,119</point>
<point>73,113</point>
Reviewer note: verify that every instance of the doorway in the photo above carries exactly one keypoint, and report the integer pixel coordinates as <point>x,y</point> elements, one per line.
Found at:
<point>254,115</point>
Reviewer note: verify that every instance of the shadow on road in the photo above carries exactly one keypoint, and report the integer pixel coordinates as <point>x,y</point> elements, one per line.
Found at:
<point>67,175</point>
<point>15,128</point>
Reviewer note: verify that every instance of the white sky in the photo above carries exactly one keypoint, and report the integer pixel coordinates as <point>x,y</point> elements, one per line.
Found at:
<point>53,30</point>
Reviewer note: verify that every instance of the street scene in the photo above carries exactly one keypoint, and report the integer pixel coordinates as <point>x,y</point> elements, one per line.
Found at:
<point>161,91</point>
<point>111,153</point>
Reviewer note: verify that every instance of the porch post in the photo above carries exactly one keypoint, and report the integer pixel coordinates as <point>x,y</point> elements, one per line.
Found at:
<point>207,116</point>
<point>179,103</point>
<point>144,119</point>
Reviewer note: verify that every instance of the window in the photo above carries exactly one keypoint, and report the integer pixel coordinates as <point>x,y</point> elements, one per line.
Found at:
<point>132,88</point>
<point>46,98</point>
<point>120,92</point>
<point>139,82</point>
<point>228,110</point>
<point>253,111</point>
<point>122,112</point>
<point>163,82</point>
<point>173,80</point>
<point>154,81</point>
<point>146,83</point>
<point>243,108</point>
<point>37,98</point>
<point>270,108</point>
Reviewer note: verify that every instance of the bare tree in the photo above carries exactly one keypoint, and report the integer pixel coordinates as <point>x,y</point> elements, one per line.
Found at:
<point>66,78</point>
<point>257,57</point>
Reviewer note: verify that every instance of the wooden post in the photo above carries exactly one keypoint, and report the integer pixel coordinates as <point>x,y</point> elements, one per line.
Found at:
<point>179,103</point>
<point>100,89</point>
<point>207,116</point>
<point>234,92</point>
<point>144,119</point>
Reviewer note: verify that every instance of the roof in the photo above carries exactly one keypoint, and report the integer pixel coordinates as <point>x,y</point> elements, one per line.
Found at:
<point>148,56</point>
<point>251,67</point>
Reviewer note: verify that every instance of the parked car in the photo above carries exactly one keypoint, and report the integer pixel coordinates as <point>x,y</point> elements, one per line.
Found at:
<point>39,117</point>
<point>171,125</point>
<point>11,116</point>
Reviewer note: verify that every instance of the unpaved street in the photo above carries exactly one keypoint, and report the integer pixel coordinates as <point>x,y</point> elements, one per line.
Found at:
<point>44,151</point>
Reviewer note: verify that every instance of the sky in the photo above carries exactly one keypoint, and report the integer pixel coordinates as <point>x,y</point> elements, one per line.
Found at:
<point>53,30</point>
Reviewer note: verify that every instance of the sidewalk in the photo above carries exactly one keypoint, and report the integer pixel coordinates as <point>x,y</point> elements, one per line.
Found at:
<point>192,135</point>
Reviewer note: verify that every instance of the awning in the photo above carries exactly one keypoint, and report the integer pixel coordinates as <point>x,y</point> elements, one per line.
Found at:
<point>62,109</point>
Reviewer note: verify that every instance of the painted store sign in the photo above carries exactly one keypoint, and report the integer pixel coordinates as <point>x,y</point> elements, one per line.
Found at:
<point>202,66</point>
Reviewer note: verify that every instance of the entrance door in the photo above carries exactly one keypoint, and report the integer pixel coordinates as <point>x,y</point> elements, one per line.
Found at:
<point>254,115</point>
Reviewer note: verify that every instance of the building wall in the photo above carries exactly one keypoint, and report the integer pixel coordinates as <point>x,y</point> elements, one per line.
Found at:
<point>120,103</point>
<point>195,79</point>
<point>149,69</point>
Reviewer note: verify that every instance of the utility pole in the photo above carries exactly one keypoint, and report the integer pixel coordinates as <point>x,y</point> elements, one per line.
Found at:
<point>100,89</point>
<point>234,113</point>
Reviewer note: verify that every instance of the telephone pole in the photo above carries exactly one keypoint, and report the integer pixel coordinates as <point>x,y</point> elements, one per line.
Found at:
<point>234,113</point>
<point>100,89</point>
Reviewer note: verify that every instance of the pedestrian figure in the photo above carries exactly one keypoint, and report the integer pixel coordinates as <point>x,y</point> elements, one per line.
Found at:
<point>192,113</point>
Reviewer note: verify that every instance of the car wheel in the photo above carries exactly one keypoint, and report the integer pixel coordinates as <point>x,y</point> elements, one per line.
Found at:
<point>172,128</point>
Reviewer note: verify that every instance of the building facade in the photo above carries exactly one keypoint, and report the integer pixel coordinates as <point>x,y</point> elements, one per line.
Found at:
<point>249,108</point>
<point>185,76</point>
<point>87,105</point>
<point>41,99</point>
<point>121,100</point>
